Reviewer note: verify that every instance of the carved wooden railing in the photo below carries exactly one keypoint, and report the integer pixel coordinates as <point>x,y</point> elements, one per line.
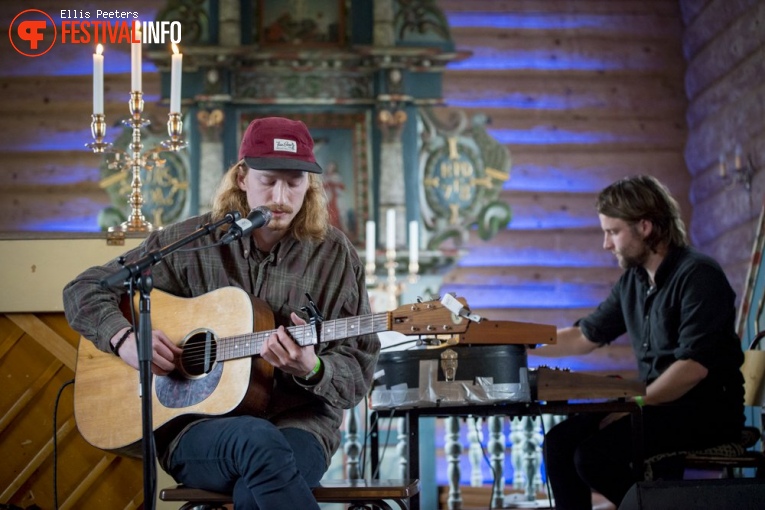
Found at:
<point>525,438</point>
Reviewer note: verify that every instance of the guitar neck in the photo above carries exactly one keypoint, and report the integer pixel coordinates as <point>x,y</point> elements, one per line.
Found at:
<point>250,344</point>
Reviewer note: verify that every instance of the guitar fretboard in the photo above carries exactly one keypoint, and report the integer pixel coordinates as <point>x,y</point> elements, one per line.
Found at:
<point>250,344</point>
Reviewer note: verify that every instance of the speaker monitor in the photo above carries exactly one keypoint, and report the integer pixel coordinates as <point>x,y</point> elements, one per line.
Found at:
<point>717,494</point>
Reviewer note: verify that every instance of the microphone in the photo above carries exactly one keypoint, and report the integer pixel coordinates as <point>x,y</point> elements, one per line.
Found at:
<point>258,217</point>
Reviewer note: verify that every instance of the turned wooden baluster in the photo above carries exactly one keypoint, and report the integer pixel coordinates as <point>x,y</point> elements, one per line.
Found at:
<point>352,445</point>
<point>497,457</point>
<point>475,451</point>
<point>453,450</point>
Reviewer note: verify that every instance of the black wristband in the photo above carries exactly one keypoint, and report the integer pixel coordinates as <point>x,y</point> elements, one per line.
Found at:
<point>116,347</point>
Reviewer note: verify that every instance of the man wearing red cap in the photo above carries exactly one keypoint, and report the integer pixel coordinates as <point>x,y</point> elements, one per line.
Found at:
<point>272,459</point>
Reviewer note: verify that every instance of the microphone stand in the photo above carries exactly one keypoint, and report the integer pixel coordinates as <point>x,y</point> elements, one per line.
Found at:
<point>138,274</point>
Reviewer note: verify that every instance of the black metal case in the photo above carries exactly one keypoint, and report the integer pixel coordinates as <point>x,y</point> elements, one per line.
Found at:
<point>453,375</point>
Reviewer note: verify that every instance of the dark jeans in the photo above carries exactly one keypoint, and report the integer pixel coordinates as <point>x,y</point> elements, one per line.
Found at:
<point>265,468</point>
<point>579,457</point>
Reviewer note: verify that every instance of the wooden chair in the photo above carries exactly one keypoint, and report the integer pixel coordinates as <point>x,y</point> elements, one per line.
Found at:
<point>357,494</point>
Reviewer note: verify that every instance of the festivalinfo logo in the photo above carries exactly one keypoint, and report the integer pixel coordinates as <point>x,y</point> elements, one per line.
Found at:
<point>34,32</point>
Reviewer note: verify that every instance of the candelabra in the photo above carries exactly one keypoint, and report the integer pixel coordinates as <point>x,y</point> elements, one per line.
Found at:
<point>134,159</point>
<point>391,285</point>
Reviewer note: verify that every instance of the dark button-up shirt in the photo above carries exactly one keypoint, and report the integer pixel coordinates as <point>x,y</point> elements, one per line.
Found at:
<point>688,314</point>
<point>330,271</point>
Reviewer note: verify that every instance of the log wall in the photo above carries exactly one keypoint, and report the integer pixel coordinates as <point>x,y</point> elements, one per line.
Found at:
<point>49,181</point>
<point>724,44</point>
<point>582,92</point>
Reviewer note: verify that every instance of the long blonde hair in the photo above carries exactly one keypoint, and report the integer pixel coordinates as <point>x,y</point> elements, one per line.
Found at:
<point>311,222</point>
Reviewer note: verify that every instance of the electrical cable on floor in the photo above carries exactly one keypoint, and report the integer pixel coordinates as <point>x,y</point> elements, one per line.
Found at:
<point>55,444</point>
<point>385,446</point>
<point>362,455</point>
<point>495,484</point>
<point>544,460</point>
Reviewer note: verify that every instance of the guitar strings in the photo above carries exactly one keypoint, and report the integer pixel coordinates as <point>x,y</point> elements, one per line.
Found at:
<point>249,344</point>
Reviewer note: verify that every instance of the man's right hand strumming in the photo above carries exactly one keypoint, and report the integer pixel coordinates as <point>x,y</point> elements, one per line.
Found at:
<point>164,351</point>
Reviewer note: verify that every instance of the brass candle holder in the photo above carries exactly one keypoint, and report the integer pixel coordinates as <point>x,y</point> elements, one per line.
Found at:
<point>98,130</point>
<point>135,158</point>
<point>174,129</point>
<point>393,285</point>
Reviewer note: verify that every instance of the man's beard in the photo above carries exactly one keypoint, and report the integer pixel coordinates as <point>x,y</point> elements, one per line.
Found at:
<point>627,261</point>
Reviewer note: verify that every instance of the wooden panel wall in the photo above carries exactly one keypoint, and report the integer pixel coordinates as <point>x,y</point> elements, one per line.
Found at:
<point>37,358</point>
<point>582,92</point>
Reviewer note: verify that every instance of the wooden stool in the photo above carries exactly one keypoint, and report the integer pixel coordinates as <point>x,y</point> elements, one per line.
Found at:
<point>729,465</point>
<point>727,457</point>
<point>358,494</point>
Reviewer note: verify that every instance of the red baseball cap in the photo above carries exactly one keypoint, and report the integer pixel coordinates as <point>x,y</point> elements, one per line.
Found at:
<point>276,143</point>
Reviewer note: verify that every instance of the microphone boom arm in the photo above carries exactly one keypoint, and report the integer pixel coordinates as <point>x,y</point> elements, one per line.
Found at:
<point>133,270</point>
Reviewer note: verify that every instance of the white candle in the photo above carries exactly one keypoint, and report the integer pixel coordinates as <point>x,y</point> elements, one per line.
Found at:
<point>175,80</point>
<point>135,59</point>
<point>390,238</point>
<point>98,80</point>
<point>737,157</point>
<point>370,255</point>
<point>721,164</point>
<point>414,244</point>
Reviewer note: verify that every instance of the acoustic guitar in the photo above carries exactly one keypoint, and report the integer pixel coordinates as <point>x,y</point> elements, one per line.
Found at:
<point>219,371</point>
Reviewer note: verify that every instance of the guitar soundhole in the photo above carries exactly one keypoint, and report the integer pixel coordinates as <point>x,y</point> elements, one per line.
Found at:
<point>200,352</point>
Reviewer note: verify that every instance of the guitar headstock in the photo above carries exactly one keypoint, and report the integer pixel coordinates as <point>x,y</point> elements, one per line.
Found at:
<point>427,318</point>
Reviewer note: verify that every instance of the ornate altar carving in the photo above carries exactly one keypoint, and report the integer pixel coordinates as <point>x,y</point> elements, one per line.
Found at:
<point>463,170</point>
<point>375,61</point>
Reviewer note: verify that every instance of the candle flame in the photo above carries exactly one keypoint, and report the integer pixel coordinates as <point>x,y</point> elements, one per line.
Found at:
<point>175,49</point>
<point>99,49</point>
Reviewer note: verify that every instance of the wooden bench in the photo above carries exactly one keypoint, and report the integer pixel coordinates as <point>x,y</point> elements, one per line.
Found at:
<point>358,494</point>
